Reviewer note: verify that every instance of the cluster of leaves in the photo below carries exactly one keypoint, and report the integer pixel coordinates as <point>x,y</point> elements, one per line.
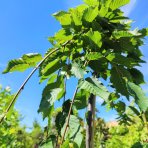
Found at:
<point>101,133</point>
<point>131,133</point>
<point>95,43</point>
<point>108,135</point>
<point>134,136</point>
<point>12,134</point>
<point>7,130</point>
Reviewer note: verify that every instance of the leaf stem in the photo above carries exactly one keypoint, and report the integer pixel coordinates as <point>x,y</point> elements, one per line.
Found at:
<point>69,113</point>
<point>27,79</point>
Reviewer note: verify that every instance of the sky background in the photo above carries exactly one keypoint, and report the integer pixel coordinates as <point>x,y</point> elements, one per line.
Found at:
<point>24,28</point>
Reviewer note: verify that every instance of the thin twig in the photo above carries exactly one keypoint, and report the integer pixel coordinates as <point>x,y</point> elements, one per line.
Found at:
<point>27,79</point>
<point>69,113</point>
<point>64,98</point>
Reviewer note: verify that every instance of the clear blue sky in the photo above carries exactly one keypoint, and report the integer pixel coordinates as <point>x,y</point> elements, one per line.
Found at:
<point>24,28</point>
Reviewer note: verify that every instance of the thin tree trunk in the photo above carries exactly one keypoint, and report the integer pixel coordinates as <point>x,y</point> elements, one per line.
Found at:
<point>90,122</point>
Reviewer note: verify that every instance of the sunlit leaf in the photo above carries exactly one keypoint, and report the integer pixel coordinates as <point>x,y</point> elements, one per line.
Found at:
<point>51,93</point>
<point>103,11</point>
<point>91,2</point>
<point>61,36</point>
<point>93,56</point>
<point>65,144</point>
<point>74,131</point>
<point>90,14</point>
<point>115,4</point>
<point>121,34</point>
<point>92,85</point>
<point>63,17</point>
<point>94,38</point>
<point>51,67</point>
<point>140,98</point>
<point>77,70</point>
<point>77,14</point>
<point>47,145</point>
<point>32,57</point>
<point>21,64</point>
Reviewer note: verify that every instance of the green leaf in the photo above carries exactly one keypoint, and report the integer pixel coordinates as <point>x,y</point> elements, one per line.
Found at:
<point>90,14</point>
<point>103,11</point>
<point>121,34</point>
<point>118,19</point>
<point>91,2</point>
<point>115,4</point>
<point>65,144</point>
<point>136,54</point>
<point>74,124</point>
<point>116,58</point>
<point>120,107</point>
<point>118,75</point>
<point>52,64</point>
<point>74,131</point>
<point>77,14</point>
<point>66,106</point>
<point>100,66</point>
<point>81,8</point>
<point>94,38</point>
<point>51,93</point>
<point>52,78</point>
<point>23,63</point>
<point>62,36</point>
<point>93,56</point>
<point>60,121</point>
<point>51,67</point>
<point>32,57</point>
<point>135,110</point>
<point>77,71</point>
<point>137,76</point>
<point>135,32</point>
<point>81,99</point>
<point>92,85</point>
<point>47,145</point>
<point>54,91</point>
<point>16,65</point>
<point>140,98</point>
<point>105,3</point>
<point>45,108</point>
<point>144,32</point>
<point>79,140</point>
<point>69,144</point>
<point>56,94</point>
<point>63,17</point>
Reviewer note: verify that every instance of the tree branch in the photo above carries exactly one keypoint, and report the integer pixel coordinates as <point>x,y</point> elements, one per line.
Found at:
<point>68,118</point>
<point>27,79</point>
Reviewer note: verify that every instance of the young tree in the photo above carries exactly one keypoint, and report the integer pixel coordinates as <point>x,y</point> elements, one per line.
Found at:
<point>96,43</point>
